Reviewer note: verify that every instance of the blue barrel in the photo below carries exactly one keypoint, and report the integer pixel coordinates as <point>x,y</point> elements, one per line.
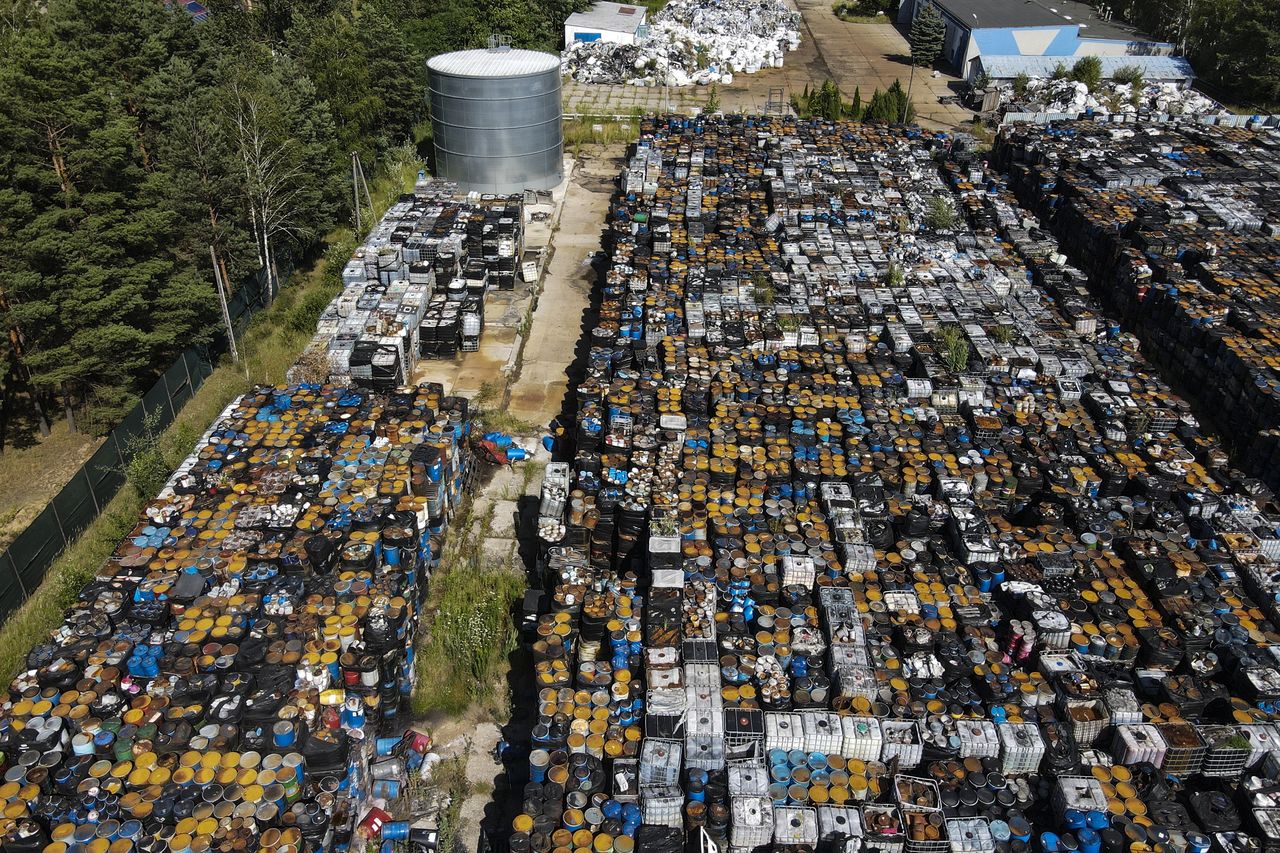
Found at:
<point>395,830</point>
<point>539,761</point>
<point>386,789</point>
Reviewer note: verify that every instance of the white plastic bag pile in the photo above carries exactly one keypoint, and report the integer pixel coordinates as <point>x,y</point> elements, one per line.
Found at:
<point>1045,94</point>
<point>692,42</point>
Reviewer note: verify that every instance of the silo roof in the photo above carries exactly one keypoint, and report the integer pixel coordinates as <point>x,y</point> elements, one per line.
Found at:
<point>493,63</point>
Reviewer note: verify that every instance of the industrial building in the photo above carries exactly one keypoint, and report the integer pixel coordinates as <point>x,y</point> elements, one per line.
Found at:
<point>1053,28</point>
<point>611,22</point>
<point>496,119</point>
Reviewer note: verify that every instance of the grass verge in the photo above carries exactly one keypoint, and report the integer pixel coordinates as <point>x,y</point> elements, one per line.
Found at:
<point>848,12</point>
<point>470,631</point>
<point>272,342</point>
<point>450,780</point>
<point>599,130</point>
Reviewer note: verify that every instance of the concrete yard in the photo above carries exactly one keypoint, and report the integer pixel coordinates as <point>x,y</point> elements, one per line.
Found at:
<point>505,311</point>
<point>854,55</point>
<point>563,310</point>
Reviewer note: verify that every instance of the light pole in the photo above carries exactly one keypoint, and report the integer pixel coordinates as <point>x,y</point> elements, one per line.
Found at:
<point>910,82</point>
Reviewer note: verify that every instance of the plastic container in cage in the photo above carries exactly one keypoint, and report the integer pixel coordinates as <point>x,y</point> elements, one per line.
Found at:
<point>1138,743</point>
<point>748,779</point>
<point>970,835</point>
<point>705,751</point>
<point>882,828</point>
<point>1123,706</point>
<point>901,741</point>
<point>978,739</point>
<point>1227,751</point>
<point>752,821</point>
<point>792,825</point>
<point>1081,793</point>
<point>1263,738</point>
<point>660,762</point>
<point>1184,749</point>
<point>861,738</point>
<point>926,830</point>
<point>835,822</point>
<point>916,792</point>
<point>783,730</point>
<point>798,571</point>
<point>661,806</point>
<point>822,732</point>
<point>624,780</point>
<point>1086,719</point>
<point>1021,747</point>
<point>852,679</point>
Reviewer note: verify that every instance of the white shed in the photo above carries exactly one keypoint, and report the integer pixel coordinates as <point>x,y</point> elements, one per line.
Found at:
<point>614,22</point>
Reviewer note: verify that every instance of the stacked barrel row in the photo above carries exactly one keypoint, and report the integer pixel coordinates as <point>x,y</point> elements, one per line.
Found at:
<point>226,679</point>
<point>899,541</point>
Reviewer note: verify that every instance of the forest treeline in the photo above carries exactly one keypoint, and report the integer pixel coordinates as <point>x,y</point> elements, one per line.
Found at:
<point>133,138</point>
<point>1233,44</point>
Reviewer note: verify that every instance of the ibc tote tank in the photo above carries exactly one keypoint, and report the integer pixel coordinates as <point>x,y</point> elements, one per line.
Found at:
<point>495,118</point>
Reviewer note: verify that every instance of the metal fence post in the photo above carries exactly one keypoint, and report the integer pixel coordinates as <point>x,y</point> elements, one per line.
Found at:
<point>93,494</point>
<point>53,505</point>
<point>17,575</point>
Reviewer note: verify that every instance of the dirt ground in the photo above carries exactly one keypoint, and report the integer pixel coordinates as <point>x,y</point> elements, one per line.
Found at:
<point>495,795</point>
<point>31,476</point>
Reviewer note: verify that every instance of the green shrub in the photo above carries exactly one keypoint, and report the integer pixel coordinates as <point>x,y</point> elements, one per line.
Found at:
<point>1130,74</point>
<point>955,347</point>
<point>941,215</point>
<point>1087,70</point>
<point>146,468</point>
<point>895,277</point>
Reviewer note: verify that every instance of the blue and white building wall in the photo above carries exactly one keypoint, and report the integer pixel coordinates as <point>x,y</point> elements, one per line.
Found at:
<point>965,41</point>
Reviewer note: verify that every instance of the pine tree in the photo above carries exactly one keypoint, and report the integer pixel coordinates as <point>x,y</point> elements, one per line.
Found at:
<point>855,108</point>
<point>902,110</point>
<point>1255,47</point>
<point>927,35</point>
<point>876,108</point>
<point>366,71</point>
<point>94,288</point>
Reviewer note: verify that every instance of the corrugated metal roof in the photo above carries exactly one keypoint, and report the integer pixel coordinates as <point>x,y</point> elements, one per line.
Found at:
<point>493,63</point>
<point>1153,67</point>
<point>614,17</point>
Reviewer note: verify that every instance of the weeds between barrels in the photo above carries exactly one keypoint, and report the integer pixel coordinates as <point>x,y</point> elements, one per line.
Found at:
<point>470,632</point>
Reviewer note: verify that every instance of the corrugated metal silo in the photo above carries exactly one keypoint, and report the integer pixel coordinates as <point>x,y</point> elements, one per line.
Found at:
<point>495,116</point>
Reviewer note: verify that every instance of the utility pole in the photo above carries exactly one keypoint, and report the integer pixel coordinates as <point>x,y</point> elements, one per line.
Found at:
<point>222,298</point>
<point>910,82</point>
<point>357,183</point>
<point>355,195</point>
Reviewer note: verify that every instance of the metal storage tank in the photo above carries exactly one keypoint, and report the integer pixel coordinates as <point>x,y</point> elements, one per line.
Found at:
<point>495,117</point>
